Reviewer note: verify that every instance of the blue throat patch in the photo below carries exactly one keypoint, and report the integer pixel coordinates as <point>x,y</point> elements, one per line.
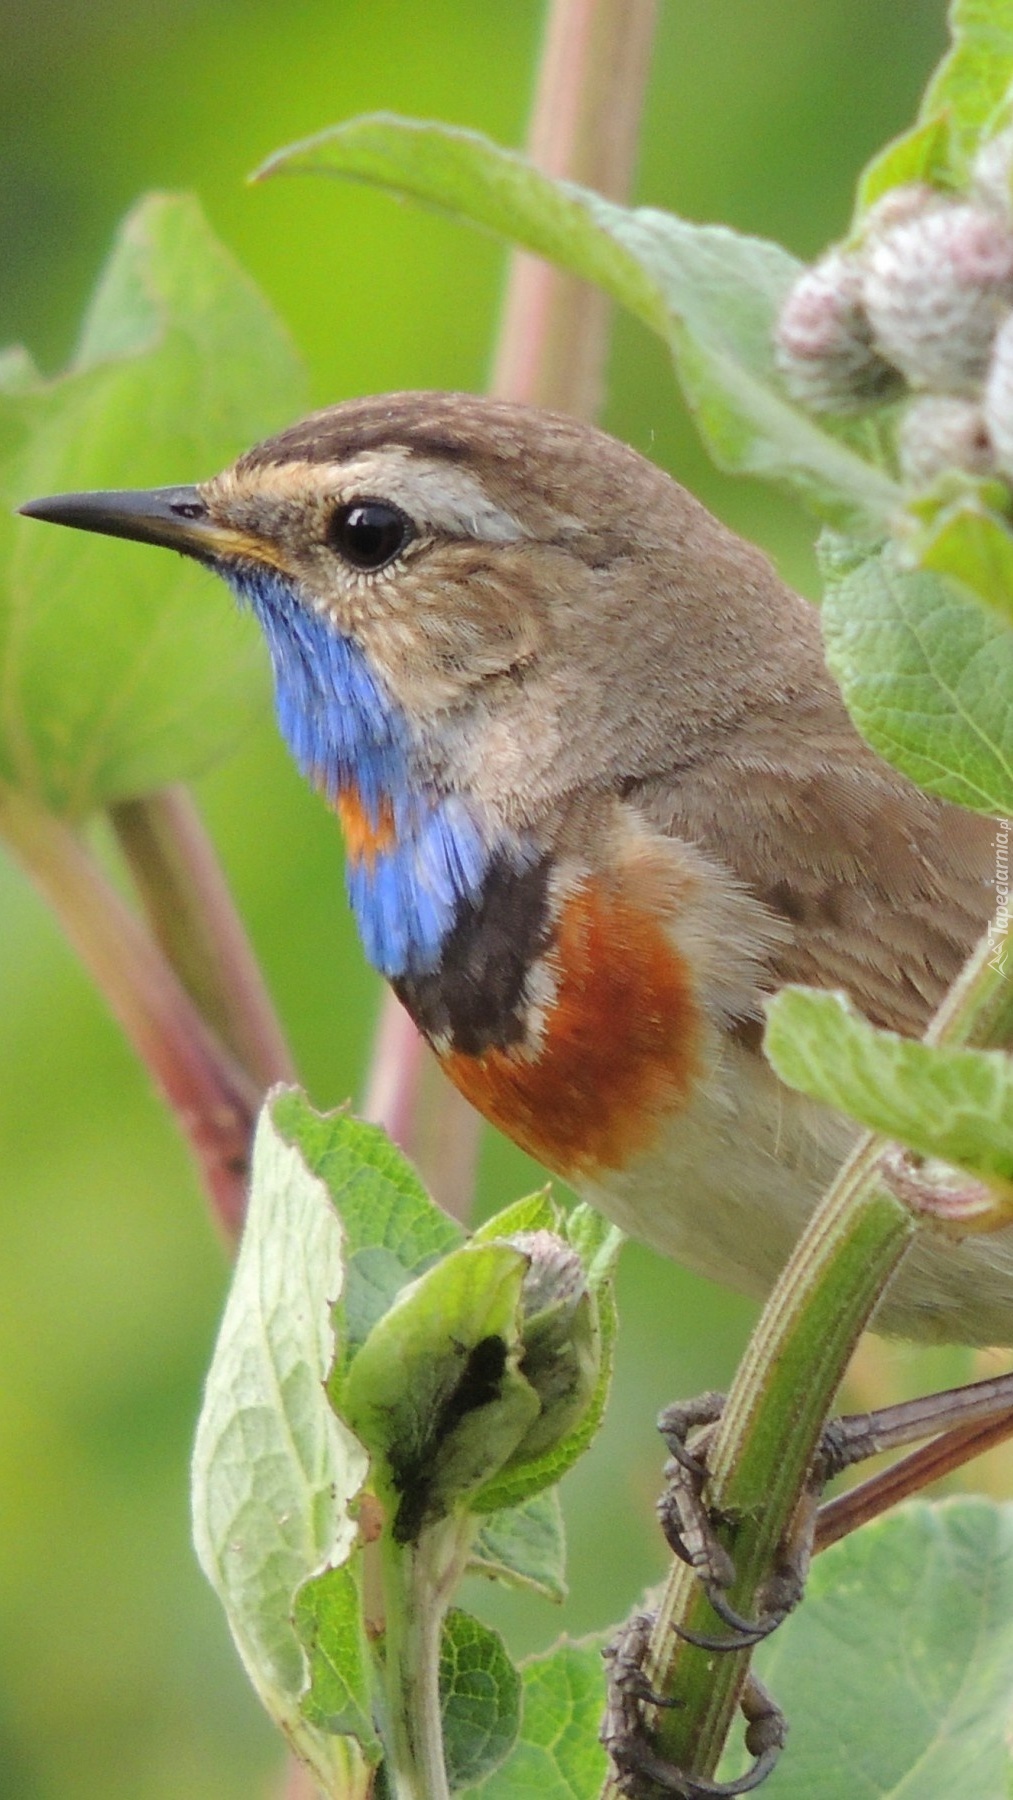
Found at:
<point>345,731</point>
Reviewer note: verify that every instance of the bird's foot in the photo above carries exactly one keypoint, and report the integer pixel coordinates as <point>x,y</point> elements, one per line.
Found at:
<point>689,1527</point>
<point>642,1771</point>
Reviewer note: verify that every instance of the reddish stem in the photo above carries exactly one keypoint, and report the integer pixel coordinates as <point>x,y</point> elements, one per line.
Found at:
<point>189,907</point>
<point>214,1100</point>
<point>846,1512</point>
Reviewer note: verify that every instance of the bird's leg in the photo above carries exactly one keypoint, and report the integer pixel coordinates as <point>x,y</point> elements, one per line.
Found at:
<point>641,1771</point>
<point>688,1523</point>
<point>689,1530</point>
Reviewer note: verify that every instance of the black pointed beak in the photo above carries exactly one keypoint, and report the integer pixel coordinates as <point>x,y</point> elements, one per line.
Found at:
<point>175,517</point>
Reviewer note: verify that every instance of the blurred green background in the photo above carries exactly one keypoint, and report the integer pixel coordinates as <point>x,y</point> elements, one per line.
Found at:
<point>116,1676</point>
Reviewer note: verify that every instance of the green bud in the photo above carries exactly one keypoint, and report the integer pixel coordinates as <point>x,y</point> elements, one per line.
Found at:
<point>560,1340</point>
<point>435,1393</point>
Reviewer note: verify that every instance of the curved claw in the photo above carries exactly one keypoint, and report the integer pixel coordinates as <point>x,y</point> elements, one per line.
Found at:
<point>741,1641</point>
<point>753,1629</point>
<point>745,1632</point>
<point>693,1465</point>
<point>641,1760</point>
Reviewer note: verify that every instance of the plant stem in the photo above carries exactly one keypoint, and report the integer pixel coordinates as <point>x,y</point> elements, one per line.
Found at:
<point>763,1448</point>
<point>552,347</point>
<point>584,127</point>
<point>418,1582</point>
<point>950,1451</point>
<point>213,1099</point>
<point>191,912</point>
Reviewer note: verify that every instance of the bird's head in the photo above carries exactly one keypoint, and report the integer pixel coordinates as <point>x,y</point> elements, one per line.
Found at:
<point>474,611</point>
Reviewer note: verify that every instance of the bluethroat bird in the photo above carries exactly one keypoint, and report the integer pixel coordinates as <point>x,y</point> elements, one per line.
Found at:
<point>599,797</point>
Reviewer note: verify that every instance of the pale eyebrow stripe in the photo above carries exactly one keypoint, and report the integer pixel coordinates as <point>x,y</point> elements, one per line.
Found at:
<point>441,495</point>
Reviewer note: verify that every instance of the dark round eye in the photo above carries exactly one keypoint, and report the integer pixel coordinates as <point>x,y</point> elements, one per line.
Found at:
<point>369,533</point>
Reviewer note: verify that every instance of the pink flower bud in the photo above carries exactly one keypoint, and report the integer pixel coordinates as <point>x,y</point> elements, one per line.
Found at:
<point>936,286</point>
<point>896,207</point>
<point>822,342</point>
<point>940,432</point>
<point>992,173</point>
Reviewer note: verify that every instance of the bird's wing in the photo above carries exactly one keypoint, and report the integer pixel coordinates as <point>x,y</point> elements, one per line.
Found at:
<point>884,889</point>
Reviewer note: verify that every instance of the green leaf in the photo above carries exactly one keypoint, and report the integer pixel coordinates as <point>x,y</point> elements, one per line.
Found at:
<point>274,1472</point>
<point>927,675</point>
<point>711,295</point>
<point>896,1672</point>
<point>525,1546</point>
<point>480,1698</point>
<point>597,1242</point>
<point>965,92</point>
<point>974,77</point>
<point>557,1755</point>
<point>329,1624</point>
<point>956,1105</point>
<point>973,545</point>
<point>536,1212</point>
<point>122,668</point>
<point>393,1230</point>
<point>435,1392</point>
<point>923,154</point>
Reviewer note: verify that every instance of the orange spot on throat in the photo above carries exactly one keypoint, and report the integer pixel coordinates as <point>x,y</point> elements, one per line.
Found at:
<point>618,1054</point>
<point>366,837</point>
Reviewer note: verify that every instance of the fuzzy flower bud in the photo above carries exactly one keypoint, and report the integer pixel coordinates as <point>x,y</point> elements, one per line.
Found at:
<point>897,206</point>
<point>823,343</point>
<point>998,398</point>
<point>940,432</point>
<point>992,173</point>
<point>936,285</point>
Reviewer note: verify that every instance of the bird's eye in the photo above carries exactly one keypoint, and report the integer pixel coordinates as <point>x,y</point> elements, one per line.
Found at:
<point>369,533</point>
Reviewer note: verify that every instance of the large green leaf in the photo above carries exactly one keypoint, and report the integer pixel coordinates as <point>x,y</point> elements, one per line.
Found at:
<point>275,1472</point>
<point>122,667</point>
<point>525,1546</point>
<point>953,1104</point>
<point>927,674</point>
<point>712,295</point>
<point>970,543</point>
<point>896,1673</point>
<point>557,1755</point>
<point>393,1230</point>
<point>327,1616</point>
<point>480,1698</point>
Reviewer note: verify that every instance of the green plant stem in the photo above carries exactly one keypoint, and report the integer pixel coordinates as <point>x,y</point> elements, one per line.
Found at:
<point>418,1583</point>
<point>213,1099</point>
<point>763,1448</point>
<point>188,905</point>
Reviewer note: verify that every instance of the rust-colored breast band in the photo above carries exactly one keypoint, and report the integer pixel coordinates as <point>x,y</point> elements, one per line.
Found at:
<point>618,1053</point>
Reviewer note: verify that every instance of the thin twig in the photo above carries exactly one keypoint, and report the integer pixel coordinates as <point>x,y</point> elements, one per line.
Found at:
<point>930,1462</point>
<point>214,1100</point>
<point>189,907</point>
<point>551,352</point>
